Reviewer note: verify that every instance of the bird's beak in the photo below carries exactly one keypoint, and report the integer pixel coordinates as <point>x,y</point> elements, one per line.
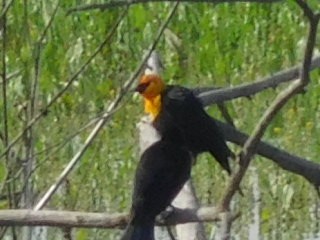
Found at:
<point>141,87</point>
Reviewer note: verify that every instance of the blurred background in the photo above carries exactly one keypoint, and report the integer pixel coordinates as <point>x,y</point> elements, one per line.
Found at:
<point>205,44</point>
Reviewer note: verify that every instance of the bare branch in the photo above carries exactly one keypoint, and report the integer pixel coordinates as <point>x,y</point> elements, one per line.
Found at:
<point>38,48</point>
<point>26,217</point>
<point>104,119</point>
<point>11,75</point>
<point>5,134</point>
<point>4,73</point>
<point>28,195</point>
<point>246,90</point>
<point>123,3</point>
<point>308,169</point>
<point>10,186</point>
<point>225,113</point>
<point>47,27</point>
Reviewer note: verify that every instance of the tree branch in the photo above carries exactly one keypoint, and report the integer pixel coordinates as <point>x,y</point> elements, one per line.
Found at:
<point>246,90</point>
<point>26,217</point>
<point>123,3</point>
<point>303,167</point>
<point>306,10</point>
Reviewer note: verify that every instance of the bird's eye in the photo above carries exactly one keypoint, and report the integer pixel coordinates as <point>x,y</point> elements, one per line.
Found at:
<point>142,87</point>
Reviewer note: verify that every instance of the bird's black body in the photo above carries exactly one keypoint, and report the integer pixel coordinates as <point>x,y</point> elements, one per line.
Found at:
<point>185,130</point>
<point>201,133</point>
<point>163,169</point>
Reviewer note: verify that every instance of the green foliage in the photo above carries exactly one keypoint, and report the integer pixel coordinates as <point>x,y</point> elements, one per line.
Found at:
<point>204,45</point>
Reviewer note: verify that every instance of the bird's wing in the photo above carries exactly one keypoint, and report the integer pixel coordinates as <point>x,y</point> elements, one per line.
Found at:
<point>161,173</point>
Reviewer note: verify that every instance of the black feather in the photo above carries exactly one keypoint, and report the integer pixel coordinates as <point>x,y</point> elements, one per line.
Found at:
<point>200,132</point>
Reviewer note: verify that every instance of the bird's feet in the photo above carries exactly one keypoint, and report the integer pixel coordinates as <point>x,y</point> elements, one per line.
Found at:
<point>164,215</point>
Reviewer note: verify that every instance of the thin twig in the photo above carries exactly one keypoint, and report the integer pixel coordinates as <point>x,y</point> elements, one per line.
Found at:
<point>28,166</point>
<point>225,113</point>
<point>106,117</point>
<point>123,3</point>
<point>49,24</point>
<point>37,59</point>
<point>5,8</point>
<point>4,76</point>
<point>5,134</point>
<point>11,75</point>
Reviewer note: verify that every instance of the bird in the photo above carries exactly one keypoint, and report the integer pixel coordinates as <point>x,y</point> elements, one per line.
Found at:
<point>163,169</point>
<point>178,104</point>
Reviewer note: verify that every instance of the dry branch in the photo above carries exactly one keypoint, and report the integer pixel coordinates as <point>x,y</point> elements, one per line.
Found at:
<point>306,168</point>
<point>246,90</point>
<point>23,217</point>
<point>123,3</point>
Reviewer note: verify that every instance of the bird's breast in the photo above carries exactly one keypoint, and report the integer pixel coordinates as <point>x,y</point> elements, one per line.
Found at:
<point>152,106</point>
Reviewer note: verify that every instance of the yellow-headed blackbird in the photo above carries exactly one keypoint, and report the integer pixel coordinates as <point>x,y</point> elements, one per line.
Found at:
<point>163,169</point>
<point>179,105</point>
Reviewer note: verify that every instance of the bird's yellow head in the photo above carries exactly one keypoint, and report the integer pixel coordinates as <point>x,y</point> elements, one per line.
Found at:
<point>150,87</point>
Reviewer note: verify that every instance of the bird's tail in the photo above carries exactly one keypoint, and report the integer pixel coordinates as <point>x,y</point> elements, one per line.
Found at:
<point>223,158</point>
<point>141,232</point>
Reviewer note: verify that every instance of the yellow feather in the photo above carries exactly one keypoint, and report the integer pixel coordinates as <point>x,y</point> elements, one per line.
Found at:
<point>152,106</point>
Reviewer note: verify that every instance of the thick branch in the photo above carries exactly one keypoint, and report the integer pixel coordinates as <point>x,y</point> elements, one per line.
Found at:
<point>95,220</point>
<point>303,167</point>
<point>246,90</point>
<point>123,3</point>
